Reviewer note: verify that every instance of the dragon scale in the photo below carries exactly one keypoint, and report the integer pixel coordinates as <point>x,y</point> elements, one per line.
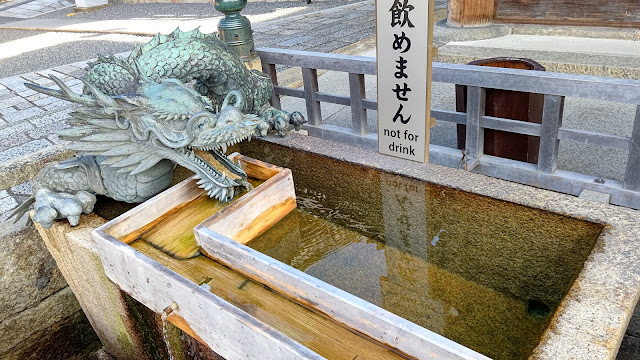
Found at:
<point>185,56</point>
<point>141,115</point>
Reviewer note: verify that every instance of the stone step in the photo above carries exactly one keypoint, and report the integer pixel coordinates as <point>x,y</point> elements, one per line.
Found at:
<point>579,55</point>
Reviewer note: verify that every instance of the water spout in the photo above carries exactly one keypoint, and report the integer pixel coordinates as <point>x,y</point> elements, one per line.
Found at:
<point>165,313</point>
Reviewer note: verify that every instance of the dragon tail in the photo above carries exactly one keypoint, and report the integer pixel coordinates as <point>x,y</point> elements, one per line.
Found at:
<point>22,209</point>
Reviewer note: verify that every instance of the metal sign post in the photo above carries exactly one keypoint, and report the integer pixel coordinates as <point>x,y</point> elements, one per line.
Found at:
<point>404,56</point>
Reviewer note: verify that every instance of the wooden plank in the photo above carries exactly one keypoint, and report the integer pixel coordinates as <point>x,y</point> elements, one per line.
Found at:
<point>310,79</point>
<point>320,96</point>
<point>540,82</point>
<point>255,212</point>
<point>255,168</point>
<point>316,60</point>
<point>549,142</point>
<point>476,98</point>
<point>281,90</point>
<point>632,174</point>
<point>449,116</point>
<point>370,104</point>
<point>168,221</point>
<point>173,231</point>
<point>270,70</point>
<point>594,138</point>
<point>561,181</point>
<point>183,325</point>
<point>125,224</point>
<point>590,87</point>
<point>314,331</point>
<point>334,99</point>
<point>226,329</point>
<point>349,310</point>
<point>358,113</point>
<point>343,135</point>
<point>513,126</point>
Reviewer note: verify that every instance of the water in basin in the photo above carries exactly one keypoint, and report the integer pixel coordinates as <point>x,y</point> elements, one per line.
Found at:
<point>485,273</point>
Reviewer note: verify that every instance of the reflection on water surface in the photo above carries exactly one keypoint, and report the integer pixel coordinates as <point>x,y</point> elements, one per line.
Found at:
<point>485,273</point>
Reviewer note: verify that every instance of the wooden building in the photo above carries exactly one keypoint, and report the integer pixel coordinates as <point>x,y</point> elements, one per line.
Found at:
<point>612,13</point>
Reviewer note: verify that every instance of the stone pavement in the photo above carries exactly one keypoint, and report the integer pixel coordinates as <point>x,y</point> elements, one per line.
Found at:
<point>28,122</point>
<point>33,8</point>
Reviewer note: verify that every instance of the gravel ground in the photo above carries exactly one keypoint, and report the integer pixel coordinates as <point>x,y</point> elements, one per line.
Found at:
<point>189,11</point>
<point>24,51</point>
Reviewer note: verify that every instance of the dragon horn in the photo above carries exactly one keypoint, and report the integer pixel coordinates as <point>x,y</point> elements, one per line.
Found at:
<point>64,93</point>
<point>103,99</point>
<point>237,95</point>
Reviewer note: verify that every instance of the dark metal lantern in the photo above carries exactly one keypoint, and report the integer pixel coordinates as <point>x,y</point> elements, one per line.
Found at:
<point>235,29</point>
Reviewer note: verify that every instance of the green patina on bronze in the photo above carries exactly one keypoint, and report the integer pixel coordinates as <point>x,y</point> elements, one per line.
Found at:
<point>185,56</point>
<point>140,115</point>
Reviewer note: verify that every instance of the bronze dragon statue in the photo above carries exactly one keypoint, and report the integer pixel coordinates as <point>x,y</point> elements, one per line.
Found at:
<point>137,119</point>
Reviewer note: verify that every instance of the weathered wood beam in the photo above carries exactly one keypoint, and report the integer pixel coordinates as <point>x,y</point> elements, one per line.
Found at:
<point>316,332</point>
<point>471,12</point>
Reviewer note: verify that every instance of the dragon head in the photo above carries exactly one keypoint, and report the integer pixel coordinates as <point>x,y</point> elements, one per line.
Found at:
<point>165,120</point>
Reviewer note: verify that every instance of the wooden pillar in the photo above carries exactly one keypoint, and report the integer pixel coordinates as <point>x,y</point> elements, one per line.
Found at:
<point>471,12</point>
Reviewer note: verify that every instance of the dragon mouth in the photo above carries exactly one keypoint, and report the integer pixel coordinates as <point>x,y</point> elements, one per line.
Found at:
<point>216,142</point>
<point>222,147</point>
<point>216,183</point>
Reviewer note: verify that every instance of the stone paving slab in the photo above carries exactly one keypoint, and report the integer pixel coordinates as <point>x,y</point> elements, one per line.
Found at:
<point>34,8</point>
<point>29,120</point>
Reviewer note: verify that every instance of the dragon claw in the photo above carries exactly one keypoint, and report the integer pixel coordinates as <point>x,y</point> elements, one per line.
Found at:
<point>279,121</point>
<point>50,206</point>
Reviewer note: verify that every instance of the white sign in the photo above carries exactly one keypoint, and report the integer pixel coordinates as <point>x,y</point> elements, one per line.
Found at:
<point>404,77</point>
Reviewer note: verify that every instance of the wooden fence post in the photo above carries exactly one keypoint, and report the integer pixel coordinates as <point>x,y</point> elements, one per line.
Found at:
<point>358,113</point>
<point>310,79</point>
<point>549,143</point>
<point>476,100</point>
<point>270,69</point>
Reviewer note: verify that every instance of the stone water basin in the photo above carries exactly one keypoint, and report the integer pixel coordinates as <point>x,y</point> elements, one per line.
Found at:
<point>474,264</point>
<point>484,273</point>
<point>507,270</point>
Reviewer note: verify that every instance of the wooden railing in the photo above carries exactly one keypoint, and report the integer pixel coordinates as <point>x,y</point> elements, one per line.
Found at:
<point>554,86</point>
